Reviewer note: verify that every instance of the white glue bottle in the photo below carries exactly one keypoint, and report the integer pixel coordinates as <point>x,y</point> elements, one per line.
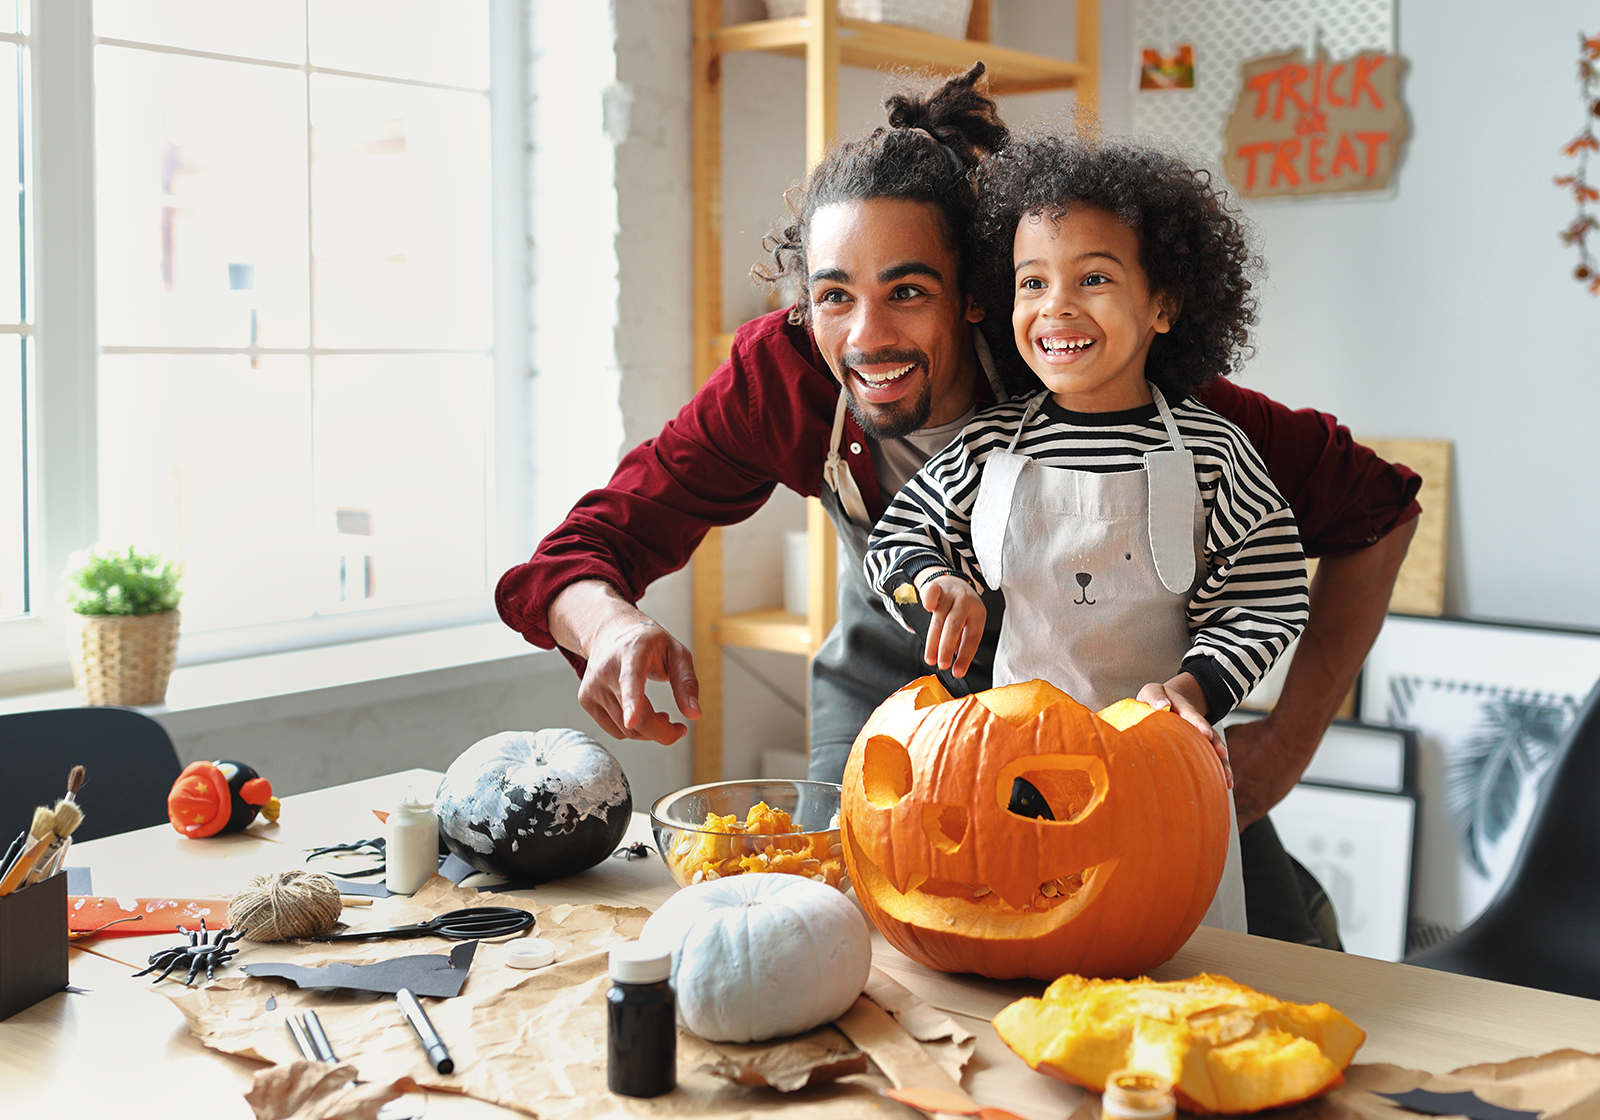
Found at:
<point>411,845</point>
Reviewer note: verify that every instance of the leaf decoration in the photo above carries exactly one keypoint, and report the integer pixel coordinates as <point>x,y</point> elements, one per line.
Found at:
<point>1581,147</point>
<point>1515,741</point>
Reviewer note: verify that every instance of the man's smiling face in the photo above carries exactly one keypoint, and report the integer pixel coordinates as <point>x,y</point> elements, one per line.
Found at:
<point>888,314</point>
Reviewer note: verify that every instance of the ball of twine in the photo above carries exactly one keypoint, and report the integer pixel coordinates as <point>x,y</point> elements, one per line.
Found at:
<point>285,905</point>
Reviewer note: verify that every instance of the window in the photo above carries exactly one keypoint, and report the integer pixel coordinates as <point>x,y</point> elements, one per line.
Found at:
<point>298,383</point>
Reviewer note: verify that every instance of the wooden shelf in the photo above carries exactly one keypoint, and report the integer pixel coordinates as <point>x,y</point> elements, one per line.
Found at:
<point>876,46</point>
<point>826,42</point>
<point>776,630</point>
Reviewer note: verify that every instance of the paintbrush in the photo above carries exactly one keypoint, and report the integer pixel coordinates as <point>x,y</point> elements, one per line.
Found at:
<point>75,778</point>
<point>25,871</point>
<point>42,818</point>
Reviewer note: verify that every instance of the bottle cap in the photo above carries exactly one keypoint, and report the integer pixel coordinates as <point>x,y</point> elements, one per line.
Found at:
<point>413,802</point>
<point>634,962</point>
<point>1133,1094</point>
<point>530,952</point>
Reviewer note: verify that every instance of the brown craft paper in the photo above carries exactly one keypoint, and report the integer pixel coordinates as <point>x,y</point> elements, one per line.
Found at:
<point>305,1090</point>
<point>535,1040</point>
<point>1564,1085</point>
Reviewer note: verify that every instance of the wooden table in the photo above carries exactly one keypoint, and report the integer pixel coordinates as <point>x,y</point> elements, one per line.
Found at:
<point>111,1046</point>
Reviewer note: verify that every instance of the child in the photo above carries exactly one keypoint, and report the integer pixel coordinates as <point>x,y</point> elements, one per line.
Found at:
<point>1141,548</point>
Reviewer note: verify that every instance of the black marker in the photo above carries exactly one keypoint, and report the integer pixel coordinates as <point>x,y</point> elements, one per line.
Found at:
<point>431,1042</point>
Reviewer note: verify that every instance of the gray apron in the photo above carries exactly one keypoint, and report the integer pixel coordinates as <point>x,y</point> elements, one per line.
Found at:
<point>1097,571</point>
<point>868,655</point>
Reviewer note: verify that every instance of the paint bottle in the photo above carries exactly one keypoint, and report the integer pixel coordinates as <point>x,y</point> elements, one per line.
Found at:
<point>642,1036</point>
<point>411,845</point>
<point>1133,1094</point>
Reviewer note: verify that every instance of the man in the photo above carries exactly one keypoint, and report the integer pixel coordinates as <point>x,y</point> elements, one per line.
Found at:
<point>879,363</point>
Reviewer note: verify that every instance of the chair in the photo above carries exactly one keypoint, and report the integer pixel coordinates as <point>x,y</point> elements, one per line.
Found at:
<point>1543,928</point>
<point>129,757</point>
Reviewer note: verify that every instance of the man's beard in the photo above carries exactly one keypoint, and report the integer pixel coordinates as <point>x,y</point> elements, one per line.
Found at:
<point>896,418</point>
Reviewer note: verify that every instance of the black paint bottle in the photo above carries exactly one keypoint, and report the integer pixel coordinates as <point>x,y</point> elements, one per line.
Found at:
<point>642,1051</point>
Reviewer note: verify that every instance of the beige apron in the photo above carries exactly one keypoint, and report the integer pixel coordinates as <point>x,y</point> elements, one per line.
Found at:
<point>1097,571</point>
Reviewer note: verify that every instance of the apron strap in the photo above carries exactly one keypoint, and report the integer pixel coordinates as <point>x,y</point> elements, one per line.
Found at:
<point>991,512</point>
<point>836,472</point>
<point>1173,498</point>
<point>980,345</point>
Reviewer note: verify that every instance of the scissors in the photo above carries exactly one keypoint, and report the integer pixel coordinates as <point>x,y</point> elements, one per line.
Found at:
<point>457,925</point>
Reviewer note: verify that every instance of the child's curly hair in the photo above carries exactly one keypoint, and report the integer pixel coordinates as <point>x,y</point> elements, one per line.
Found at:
<point>1193,244</point>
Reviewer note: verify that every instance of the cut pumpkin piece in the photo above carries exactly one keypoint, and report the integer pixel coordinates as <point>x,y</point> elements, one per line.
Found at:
<point>1226,1048</point>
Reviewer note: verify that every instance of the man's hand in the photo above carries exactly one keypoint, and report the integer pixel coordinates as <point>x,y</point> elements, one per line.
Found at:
<point>1349,599</point>
<point>956,627</point>
<point>625,648</point>
<point>1184,697</point>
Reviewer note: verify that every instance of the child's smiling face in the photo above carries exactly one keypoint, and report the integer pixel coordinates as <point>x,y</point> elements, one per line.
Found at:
<point>1084,316</point>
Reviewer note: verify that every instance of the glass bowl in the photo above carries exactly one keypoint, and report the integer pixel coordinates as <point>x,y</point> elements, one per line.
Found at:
<point>693,852</point>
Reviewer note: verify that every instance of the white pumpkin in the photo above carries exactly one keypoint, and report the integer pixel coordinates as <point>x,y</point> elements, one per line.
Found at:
<point>761,956</point>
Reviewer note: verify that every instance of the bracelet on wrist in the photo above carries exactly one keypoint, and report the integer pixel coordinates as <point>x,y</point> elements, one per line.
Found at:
<point>962,576</point>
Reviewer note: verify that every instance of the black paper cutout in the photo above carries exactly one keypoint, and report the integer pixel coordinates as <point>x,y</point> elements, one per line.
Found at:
<point>357,887</point>
<point>426,974</point>
<point>1470,1105</point>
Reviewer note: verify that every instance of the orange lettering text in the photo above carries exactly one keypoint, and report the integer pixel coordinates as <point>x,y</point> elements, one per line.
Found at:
<point>1366,66</point>
<point>1373,141</point>
<point>1314,160</point>
<point>1262,84</point>
<point>1289,79</point>
<point>1333,77</point>
<point>1248,153</point>
<point>1344,156</point>
<point>1283,164</point>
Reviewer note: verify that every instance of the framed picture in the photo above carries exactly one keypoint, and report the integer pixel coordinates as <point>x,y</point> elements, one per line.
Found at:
<point>1491,704</point>
<point>1352,822</point>
<point>1359,845</point>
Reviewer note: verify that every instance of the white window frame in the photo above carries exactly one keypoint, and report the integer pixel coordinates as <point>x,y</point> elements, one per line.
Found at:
<point>64,373</point>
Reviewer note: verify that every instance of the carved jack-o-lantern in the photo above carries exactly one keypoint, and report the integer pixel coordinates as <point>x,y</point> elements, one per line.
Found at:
<point>1016,833</point>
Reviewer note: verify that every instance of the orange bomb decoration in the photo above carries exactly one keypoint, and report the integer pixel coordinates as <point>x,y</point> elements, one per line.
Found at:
<point>1016,833</point>
<point>213,798</point>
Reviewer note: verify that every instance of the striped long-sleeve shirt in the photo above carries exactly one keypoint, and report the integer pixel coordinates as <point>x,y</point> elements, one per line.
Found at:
<point>1251,602</point>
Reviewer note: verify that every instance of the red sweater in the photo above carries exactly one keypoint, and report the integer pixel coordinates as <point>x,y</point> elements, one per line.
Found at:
<point>763,420</point>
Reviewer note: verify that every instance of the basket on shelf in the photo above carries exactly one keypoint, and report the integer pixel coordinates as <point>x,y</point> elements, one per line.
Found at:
<point>942,17</point>
<point>124,659</point>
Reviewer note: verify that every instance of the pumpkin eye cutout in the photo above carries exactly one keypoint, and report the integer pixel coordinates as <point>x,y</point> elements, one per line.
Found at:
<point>1059,789</point>
<point>886,771</point>
<point>946,826</point>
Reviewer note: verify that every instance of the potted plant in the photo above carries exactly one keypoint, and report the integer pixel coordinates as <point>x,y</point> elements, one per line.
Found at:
<point>126,602</point>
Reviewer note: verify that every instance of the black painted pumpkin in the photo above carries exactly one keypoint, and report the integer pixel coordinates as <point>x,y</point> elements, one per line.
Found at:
<point>534,805</point>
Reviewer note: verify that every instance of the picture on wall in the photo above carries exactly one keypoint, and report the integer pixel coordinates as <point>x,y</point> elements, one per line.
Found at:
<point>1351,821</point>
<point>1490,703</point>
<point>1167,68</point>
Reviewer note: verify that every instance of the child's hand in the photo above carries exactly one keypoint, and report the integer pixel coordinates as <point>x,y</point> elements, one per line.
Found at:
<point>956,627</point>
<point>1184,697</point>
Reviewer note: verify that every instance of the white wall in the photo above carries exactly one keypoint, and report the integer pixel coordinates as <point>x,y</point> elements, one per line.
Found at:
<point>1444,310</point>
<point>1449,310</point>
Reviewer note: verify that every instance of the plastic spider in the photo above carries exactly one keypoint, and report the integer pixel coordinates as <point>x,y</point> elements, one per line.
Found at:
<point>630,852</point>
<point>201,951</point>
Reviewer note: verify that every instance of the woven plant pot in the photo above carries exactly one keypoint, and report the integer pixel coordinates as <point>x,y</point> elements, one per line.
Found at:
<point>124,659</point>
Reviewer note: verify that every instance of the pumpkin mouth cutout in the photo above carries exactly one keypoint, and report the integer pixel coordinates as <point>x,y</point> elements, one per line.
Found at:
<point>982,912</point>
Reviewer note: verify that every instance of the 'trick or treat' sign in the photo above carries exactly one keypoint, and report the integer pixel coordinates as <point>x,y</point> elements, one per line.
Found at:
<point>1319,128</point>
